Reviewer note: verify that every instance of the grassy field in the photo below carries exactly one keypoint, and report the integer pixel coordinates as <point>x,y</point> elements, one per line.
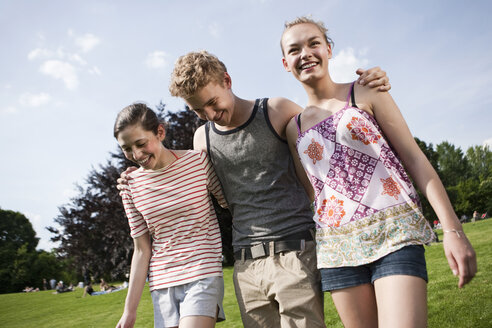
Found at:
<point>448,306</point>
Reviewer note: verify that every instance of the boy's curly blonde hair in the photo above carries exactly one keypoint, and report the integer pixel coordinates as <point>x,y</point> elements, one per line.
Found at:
<point>307,20</point>
<point>194,71</point>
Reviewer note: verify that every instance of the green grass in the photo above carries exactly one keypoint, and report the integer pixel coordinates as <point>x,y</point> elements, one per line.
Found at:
<point>448,305</point>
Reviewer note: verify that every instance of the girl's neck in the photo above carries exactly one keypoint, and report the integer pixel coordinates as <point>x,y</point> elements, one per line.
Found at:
<point>166,158</point>
<point>321,90</point>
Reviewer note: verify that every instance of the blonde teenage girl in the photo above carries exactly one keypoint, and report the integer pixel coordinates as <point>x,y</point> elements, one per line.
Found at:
<point>355,147</point>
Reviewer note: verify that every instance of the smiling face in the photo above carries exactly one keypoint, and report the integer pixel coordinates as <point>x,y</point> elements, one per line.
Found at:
<point>143,147</point>
<point>214,102</point>
<point>306,52</point>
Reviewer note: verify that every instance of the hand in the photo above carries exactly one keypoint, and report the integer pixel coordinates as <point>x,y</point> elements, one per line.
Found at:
<point>461,257</point>
<point>127,320</point>
<point>123,179</point>
<point>374,77</point>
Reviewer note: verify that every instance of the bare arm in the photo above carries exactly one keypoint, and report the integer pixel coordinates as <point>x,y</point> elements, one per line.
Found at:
<point>138,275</point>
<point>458,250</point>
<point>300,172</point>
<point>280,111</point>
<point>199,139</point>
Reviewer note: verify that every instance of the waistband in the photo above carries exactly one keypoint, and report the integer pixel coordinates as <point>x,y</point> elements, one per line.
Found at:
<point>293,242</point>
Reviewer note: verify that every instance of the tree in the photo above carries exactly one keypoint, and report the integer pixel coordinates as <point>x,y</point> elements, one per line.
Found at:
<point>480,162</point>
<point>18,243</point>
<point>95,233</point>
<point>453,165</point>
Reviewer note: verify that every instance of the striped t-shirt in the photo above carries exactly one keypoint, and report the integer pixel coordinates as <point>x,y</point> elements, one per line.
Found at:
<point>173,204</point>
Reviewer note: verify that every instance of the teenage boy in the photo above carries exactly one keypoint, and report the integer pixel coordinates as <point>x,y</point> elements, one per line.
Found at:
<point>275,276</point>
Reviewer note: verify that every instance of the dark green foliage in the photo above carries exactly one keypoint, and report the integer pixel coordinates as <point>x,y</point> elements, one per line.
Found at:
<point>466,177</point>
<point>95,235</point>
<point>17,250</point>
<point>452,163</point>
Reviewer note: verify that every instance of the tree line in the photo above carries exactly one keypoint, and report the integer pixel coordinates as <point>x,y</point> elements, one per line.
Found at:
<point>94,237</point>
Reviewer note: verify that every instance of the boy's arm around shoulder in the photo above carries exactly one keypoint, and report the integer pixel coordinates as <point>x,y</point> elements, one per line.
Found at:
<point>292,134</point>
<point>280,111</point>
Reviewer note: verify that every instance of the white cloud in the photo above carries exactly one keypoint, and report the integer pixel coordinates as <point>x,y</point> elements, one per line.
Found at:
<point>95,71</point>
<point>487,142</point>
<point>39,52</point>
<point>214,30</point>
<point>8,110</point>
<point>61,71</point>
<point>87,42</point>
<point>156,59</point>
<point>76,58</point>
<point>344,64</point>
<point>34,100</point>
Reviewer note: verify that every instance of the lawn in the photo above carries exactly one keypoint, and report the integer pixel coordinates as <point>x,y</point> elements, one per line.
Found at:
<point>448,305</point>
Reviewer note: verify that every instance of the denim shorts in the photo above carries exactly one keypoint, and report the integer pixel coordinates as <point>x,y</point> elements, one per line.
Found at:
<point>202,298</point>
<point>409,260</point>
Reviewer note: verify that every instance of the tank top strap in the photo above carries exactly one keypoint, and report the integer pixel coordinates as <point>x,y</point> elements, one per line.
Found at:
<point>350,96</point>
<point>298,123</point>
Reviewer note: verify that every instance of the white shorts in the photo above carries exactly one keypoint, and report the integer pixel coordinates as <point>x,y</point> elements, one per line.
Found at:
<point>201,297</point>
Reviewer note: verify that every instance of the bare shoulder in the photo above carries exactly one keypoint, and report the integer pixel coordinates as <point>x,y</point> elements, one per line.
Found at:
<point>199,139</point>
<point>283,105</point>
<point>291,130</point>
<point>280,111</point>
<point>366,97</point>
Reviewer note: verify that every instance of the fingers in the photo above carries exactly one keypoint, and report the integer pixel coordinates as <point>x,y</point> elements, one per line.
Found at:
<point>467,267</point>
<point>374,77</point>
<point>130,169</point>
<point>461,258</point>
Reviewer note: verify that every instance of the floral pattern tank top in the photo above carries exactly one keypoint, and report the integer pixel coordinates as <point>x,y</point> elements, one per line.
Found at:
<point>365,204</point>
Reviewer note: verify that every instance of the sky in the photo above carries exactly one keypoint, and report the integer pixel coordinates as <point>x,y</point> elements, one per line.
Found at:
<point>68,67</point>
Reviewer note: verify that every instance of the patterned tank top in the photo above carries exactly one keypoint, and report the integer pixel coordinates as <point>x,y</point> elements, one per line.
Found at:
<point>365,204</point>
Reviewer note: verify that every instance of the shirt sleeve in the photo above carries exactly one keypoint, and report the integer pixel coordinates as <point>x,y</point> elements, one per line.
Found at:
<point>213,182</point>
<point>136,221</point>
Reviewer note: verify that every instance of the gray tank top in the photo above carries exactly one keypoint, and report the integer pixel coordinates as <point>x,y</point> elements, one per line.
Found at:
<point>257,173</point>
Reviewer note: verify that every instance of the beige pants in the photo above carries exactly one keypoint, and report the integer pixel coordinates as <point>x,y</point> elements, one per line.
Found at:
<point>283,290</point>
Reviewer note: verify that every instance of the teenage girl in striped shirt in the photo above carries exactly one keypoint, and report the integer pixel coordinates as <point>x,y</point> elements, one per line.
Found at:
<point>173,224</point>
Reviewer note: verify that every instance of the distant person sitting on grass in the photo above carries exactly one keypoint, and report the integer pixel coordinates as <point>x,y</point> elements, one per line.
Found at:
<point>104,286</point>
<point>61,288</point>
<point>88,290</point>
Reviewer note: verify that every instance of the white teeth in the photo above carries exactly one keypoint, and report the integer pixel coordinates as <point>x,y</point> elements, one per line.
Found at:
<point>306,66</point>
<point>144,161</point>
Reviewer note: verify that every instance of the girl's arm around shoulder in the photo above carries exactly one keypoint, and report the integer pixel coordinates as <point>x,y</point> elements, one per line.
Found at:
<point>280,111</point>
<point>292,135</point>
<point>459,252</point>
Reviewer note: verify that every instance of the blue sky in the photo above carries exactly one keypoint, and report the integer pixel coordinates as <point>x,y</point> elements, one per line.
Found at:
<point>68,67</point>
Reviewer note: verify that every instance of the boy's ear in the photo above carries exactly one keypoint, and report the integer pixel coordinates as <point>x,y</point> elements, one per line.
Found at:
<point>286,65</point>
<point>330,53</point>
<point>227,80</point>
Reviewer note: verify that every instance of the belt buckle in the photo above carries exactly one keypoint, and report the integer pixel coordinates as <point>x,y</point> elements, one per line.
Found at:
<point>257,251</point>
